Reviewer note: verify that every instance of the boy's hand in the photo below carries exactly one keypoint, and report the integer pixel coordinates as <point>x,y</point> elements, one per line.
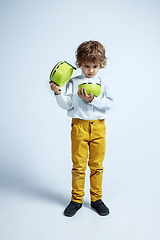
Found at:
<point>56,89</point>
<point>83,95</point>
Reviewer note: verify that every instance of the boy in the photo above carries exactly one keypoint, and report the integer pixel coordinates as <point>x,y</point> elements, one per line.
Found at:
<point>88,127</point>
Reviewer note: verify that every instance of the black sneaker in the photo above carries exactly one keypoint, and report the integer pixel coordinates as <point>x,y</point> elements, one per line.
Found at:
<point>100,207</point>
<point>72,208</point>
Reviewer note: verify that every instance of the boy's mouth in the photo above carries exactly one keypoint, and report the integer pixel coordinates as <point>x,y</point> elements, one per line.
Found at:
<point>90,74</point>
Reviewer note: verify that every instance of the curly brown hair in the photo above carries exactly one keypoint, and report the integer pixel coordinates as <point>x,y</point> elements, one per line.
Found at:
<point>91,51</point>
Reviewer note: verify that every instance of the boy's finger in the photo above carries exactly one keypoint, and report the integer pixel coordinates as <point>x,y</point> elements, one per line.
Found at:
<point>82,90</point>
<point>85,93</point>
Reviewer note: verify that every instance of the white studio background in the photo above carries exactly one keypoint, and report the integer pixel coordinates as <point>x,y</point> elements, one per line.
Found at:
<point>35,163</point>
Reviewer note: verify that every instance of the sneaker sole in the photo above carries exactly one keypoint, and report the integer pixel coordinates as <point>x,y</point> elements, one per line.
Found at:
<point>68,215</point>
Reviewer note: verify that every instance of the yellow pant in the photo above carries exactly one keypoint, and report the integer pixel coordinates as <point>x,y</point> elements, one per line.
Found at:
<point>87,136</point>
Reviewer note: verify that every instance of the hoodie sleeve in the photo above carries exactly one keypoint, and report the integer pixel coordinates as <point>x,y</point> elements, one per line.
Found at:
<point>107,100</point>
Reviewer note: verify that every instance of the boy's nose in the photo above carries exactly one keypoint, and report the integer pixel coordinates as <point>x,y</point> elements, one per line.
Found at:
<point>91,69</point>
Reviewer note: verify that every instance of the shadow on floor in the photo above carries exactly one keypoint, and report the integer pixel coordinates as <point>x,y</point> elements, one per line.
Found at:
<point>27,189</point>
<point>46,194</point>
<point>38,192</point>
<point>24,185</point>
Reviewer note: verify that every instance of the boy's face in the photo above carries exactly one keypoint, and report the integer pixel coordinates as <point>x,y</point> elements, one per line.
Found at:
<point>90,69</point>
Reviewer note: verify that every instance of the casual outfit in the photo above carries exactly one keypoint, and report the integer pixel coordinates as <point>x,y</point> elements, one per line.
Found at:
<point>87,133</point>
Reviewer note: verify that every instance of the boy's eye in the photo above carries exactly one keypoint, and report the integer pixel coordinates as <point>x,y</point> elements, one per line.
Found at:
<point>87,66</point>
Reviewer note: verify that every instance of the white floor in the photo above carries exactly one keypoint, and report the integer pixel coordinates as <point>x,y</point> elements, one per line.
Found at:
<point>32,210</point>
